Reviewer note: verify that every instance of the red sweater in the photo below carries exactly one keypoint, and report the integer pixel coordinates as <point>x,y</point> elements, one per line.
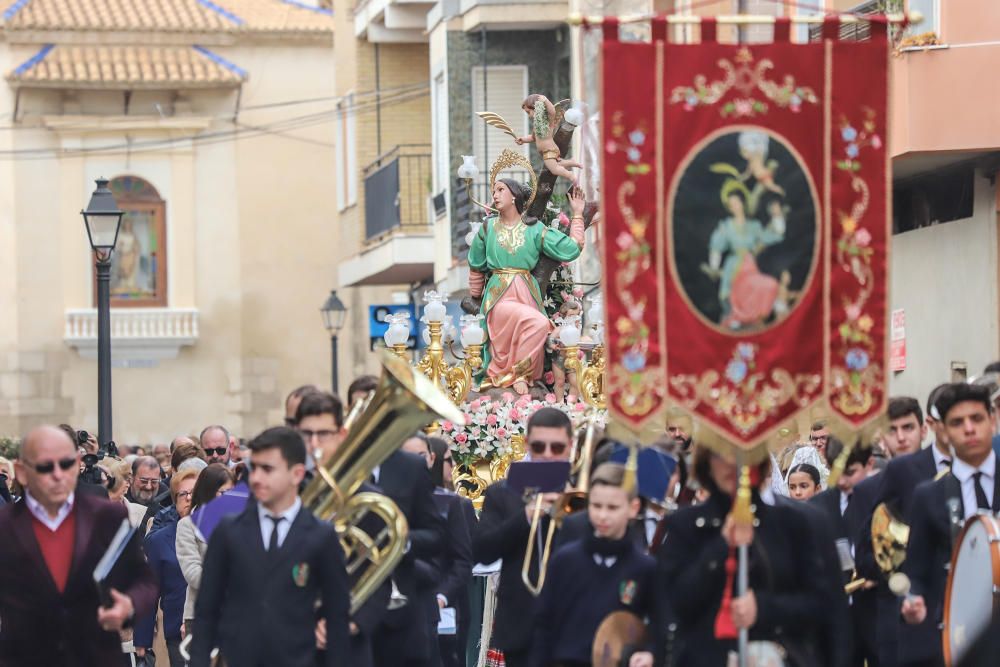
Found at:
<point>57,547</point>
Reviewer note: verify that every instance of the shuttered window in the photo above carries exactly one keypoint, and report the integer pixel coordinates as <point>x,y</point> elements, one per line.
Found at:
<point>501,91</point>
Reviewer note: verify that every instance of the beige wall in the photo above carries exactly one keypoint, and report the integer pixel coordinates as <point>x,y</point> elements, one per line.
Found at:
<point>402,122</point>
<point>945,278</point>
<point>251,238</point>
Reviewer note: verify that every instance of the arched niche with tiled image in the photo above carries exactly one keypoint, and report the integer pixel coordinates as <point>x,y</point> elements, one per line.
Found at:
<point>139,262</point>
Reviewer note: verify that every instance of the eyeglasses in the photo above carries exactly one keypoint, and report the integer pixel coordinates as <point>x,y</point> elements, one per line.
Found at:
<point>149,481</point>
<point>323,436</point>
<point>48,467</point>
<point>539,447</point>
<point>183,494</point>
<point>218,451</point>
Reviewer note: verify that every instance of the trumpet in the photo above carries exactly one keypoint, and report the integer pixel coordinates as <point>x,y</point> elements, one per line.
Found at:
<point>570,501</point>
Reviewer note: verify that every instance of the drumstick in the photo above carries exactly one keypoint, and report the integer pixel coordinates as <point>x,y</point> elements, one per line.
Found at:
<point>899,584</point>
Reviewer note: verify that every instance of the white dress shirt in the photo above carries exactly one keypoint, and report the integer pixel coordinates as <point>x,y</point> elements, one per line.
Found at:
<point>941,461</point>
<point>964,472</point>
<point>39,512</point>
<point>267,525</point>
<point>844,500</point>
<point>650,521</point>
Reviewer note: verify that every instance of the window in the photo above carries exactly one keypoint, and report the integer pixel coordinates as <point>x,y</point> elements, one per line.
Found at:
<point>346,155</point>
<point>930,10</point>
<point>139,262</point>
<point>852,32</point>
<point>439,116</point>
<point>501,90</point>
<point>941,196</point>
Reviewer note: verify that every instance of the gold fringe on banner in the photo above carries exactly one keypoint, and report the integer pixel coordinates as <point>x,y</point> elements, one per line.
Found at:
<point>911,18</point>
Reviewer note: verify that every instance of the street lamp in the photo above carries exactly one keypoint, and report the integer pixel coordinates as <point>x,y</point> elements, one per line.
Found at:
<point>103,219</point>
<point>334,313</point>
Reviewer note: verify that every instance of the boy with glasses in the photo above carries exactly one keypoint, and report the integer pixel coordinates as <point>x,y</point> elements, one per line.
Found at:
<point>502,533</point>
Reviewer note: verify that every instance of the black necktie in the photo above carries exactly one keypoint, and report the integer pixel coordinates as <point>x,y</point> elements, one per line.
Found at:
<point>981,501</point>
<point>272,545</point>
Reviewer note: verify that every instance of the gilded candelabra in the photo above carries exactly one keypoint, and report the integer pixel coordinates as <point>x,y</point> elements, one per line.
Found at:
<point>456,379</point>
<point>589,374</point>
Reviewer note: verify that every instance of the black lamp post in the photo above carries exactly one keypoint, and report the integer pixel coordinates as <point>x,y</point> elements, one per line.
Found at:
<point>103,219</point>
<point>334,313</point>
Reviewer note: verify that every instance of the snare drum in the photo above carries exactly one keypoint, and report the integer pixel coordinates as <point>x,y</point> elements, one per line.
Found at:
<point>972,596</point>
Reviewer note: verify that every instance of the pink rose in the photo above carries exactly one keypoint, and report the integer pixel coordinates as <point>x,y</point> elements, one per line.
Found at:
<point>563,220</point>
<point>795,108</point>
<point>876,142</point>
<point>611,147</point>
<point>447,426</point>
<point>580,407</point>
<point>523,401</point>
<point>474,406</point>
<point>501,432</point>
<point>578,292</point>
<point>624,240</point>
<point>549,377</point>
<point>491,420</point>
<point>863,237</point>
<point>461,438</point>
<point>550,398</point>
<point>507,397</point>
<point>743,108</point>
<point>514,414</point>
<point>853,312</point>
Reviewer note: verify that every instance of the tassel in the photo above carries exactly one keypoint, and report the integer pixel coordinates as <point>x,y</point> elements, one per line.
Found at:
<point>724,627</point>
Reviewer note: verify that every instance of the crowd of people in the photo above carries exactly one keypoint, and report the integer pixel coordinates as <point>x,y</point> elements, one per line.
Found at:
<point>270,584</point>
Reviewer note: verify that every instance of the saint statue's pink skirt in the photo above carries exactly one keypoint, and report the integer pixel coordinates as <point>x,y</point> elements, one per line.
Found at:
<point>517,331</point>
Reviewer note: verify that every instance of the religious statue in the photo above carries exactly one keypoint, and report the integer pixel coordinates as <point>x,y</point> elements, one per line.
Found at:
<point>503,253</point>
<point>542,115</point>
<point>568,311</point>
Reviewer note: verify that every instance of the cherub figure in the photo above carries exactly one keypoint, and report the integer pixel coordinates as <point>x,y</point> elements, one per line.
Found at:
<point>542,113</point>
<point>753,149</point>
<point>567,311</point>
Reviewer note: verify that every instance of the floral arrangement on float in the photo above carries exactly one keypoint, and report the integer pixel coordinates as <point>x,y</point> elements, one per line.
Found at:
<point>494,436</point>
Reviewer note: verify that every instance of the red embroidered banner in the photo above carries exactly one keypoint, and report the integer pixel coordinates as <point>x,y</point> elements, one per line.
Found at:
<point>747,228</point>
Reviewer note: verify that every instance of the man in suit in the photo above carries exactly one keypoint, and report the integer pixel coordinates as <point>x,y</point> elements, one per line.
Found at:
<point>50,610</point>
<point>937,512</point>
<point>319,417</point>
<point>837,503</point>
<point>454,564</point>
<point>266,569</point>
<point>502,533</point>
<point>403,638</point>
<point>909,467</point>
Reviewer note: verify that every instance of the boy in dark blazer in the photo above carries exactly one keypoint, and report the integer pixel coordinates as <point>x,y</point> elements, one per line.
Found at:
<point>589,578</point>
<point>938,510</point>
<point>266,569</point>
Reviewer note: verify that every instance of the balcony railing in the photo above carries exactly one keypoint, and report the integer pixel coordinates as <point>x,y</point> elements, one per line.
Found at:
<point>397,185</point>
<point>137,333</point>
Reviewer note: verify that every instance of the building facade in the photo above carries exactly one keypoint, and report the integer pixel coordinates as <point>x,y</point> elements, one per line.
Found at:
<point>213,122</point>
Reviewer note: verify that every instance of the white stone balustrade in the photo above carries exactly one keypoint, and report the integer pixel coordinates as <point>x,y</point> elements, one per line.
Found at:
<point>139,336</point>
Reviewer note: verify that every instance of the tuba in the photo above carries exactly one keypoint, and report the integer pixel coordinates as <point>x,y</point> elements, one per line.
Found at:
<point>404,402</point>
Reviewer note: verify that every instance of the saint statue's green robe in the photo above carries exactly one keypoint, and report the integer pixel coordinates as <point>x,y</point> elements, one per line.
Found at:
<point>506,255</point>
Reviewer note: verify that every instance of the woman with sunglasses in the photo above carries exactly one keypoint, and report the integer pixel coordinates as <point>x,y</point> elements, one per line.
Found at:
<point>213,481</point>
<point>161,554</point>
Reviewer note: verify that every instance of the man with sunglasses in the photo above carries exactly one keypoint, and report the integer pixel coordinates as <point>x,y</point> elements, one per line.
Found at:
<point>502,533</point>
<point>217,443</point>
<point>50,611</point>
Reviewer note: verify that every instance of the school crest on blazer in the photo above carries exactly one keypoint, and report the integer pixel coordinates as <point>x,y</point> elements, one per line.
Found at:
<point>300,574</point>
<point>626,591</point>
